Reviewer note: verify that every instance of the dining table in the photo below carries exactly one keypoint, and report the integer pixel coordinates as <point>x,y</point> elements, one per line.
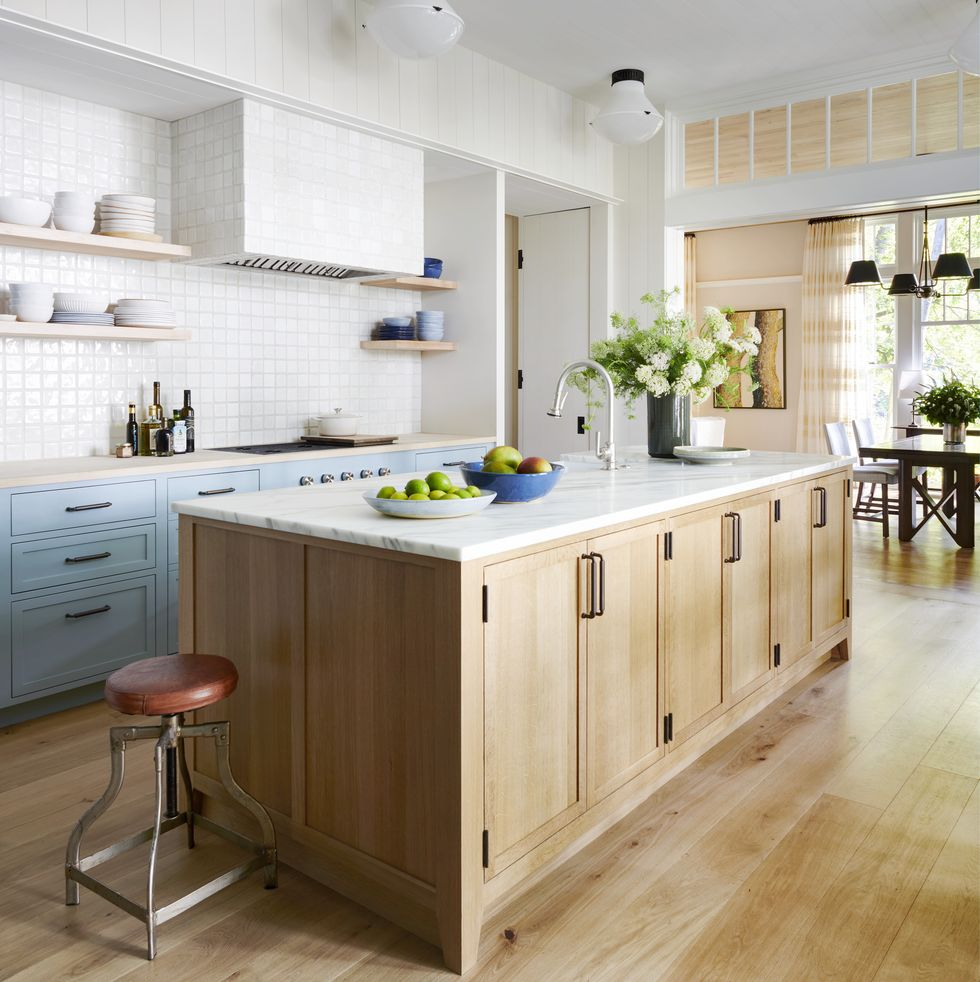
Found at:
<point>954,508</point>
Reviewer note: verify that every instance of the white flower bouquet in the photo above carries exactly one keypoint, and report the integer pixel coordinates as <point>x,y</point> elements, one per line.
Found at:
<point>673,355</point>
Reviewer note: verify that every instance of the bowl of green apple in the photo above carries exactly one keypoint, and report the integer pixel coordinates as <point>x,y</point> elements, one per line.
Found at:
<point>434,496</point>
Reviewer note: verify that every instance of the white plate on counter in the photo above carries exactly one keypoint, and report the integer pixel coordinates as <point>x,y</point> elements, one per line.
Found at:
<point>428,509</point>
<point>711,455</point>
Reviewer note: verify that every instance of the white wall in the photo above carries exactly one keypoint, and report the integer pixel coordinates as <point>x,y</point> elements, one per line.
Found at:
<point>316,50</point>
<point>268,351</point>
<point>464,225</point>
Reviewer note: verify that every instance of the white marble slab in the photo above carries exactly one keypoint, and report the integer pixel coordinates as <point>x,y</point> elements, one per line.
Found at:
<point>586,499</point>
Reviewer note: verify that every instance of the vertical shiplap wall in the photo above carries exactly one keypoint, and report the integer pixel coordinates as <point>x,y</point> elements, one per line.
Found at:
<point>316,50</point>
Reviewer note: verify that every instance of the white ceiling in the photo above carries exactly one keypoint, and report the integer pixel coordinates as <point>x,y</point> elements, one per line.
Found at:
<point>688,47</point>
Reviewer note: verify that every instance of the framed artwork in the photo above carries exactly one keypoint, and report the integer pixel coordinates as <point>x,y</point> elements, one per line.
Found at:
<point>764,384</point>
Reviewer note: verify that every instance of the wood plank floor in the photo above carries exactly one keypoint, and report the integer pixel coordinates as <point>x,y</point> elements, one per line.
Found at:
<point>837,835</point>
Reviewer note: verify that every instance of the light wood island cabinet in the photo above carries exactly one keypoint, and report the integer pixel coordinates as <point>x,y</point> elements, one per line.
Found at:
<point>428,732</point>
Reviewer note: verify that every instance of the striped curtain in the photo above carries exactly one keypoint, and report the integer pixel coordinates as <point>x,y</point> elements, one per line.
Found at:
<point>690,275</point>
<point>834,386</point>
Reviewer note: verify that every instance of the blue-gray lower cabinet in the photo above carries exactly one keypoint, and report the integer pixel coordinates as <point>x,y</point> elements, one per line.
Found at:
<point>448,458</point>
<point>79,636</point>
<point>43,563</point>
<point>72,508</point>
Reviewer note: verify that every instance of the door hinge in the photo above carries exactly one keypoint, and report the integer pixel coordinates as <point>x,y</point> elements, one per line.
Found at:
<point>486,604</point>
<point>486,848</point>
<point>776,656</point>
<point>520,378</point>
<point>777,510</point>
<point>847,607</point>
<point>520,258</point>
<point>668,546</point>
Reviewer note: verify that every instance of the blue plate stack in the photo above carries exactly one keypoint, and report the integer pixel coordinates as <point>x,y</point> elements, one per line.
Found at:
<point>430,324</point>
<point>396,329</point>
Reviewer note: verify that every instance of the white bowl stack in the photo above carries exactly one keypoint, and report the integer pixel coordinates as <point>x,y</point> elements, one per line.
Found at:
<point>81,308</point>
<point>128,216</point>
<point>145,313</point>
<point>74,211</point>
<point>32,302</point>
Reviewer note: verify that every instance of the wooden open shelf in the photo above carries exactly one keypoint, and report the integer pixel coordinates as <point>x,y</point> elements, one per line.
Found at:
<point>86,332</point>
<point>409,345</point>
<point>412,283</point>
<point>97,245</point>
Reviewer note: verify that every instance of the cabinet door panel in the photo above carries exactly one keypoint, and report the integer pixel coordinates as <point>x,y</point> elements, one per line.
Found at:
<point>747,598</point>
<point>792,547</point>
<point>533,650</point>
<point>829,555</point>
<point>623,683</point>
<point>693,622</point>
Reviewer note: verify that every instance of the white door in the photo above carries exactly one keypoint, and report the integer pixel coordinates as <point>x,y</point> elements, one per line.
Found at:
<point>553,328</point>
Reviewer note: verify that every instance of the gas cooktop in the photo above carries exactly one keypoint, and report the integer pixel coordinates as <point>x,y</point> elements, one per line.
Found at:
<point>263,449</point>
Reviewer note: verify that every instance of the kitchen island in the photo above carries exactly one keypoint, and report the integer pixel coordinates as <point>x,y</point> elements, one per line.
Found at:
<point>436,712</point>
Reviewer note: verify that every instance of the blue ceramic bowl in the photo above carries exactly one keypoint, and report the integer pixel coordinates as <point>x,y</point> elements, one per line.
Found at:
<point>511,488</point>
<point>432,268</point>
<point>397,321</point>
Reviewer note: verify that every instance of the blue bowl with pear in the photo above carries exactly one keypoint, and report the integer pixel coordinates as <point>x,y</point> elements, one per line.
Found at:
<point>512,488</point>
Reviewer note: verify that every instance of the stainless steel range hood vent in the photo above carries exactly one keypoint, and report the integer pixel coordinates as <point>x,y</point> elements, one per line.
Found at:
<point>277,264</point>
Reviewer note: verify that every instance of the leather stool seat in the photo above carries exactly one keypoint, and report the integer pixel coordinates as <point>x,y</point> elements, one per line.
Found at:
<point>170,684</point>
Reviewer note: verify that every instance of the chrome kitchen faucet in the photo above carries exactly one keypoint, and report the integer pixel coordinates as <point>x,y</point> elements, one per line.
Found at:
<point>606,452</point>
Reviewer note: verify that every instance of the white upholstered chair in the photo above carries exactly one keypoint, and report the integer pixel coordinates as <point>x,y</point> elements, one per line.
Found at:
<point>879,475</point>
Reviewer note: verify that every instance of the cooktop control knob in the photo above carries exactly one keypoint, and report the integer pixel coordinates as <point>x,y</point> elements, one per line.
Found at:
<point>384,471</point>
<point>305,481</point>
<point>367,472</point>
<point>326,479</point>
<point>347,476</point>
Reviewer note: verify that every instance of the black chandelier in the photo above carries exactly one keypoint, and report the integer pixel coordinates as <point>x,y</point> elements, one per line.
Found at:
<point>949,266</point>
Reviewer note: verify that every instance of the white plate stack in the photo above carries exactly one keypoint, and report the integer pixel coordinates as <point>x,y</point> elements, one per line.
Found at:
<point>145,313</point>
<point>80,308</point>
<point>128,216</point>
<point>74,211</point>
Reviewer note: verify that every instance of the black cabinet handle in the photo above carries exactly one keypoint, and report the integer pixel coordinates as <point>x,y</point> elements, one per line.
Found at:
<point>100,504</point>
<point>88,613</point>
<point>822,520</point>
<point>601,609</point>
<point>736,537</point>
<point>87,559</point>
<point>454,463</point>
<point>591,613</point>
<point>216,491</point>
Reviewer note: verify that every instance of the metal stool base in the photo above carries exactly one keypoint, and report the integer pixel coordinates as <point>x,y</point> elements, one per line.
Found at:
<point>169,736</point>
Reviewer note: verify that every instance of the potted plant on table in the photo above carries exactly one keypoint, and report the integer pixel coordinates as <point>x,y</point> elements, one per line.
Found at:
<point>672,362</point>
<point>953,404</point>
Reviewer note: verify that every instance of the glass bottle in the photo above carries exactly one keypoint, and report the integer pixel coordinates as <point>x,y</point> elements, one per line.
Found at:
<point>187,415</point>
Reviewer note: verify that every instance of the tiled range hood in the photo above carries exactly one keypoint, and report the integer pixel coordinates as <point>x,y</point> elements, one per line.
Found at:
<point>268,189</point>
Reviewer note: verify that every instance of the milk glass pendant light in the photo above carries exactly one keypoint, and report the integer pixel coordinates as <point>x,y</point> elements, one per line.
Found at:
<point>628,116</point>
<point>414,29</point>
<point>966,51</point>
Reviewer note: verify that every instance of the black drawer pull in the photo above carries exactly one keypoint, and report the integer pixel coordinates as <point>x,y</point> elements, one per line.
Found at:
<point>453,463</point>
<point>216,491</point>
<point>88,613</point>
<point>87,559</point>
<point>100,504</point>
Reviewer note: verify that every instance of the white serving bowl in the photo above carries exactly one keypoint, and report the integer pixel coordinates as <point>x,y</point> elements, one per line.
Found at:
<point>35,313</point>
<point>79,303</point>
<point>73,201</point>
<point>24,211</point>
<point>339,424</point>
<point>31,290</point>
<point>74,222</point>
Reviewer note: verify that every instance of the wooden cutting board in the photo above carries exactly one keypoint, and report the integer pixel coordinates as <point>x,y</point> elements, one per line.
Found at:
<point>360,440</point>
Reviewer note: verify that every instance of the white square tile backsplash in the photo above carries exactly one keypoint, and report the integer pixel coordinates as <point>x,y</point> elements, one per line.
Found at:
<point>267,352</point>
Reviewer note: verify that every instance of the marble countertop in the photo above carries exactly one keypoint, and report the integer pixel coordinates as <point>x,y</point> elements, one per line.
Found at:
<point>56,470</point>
<point>586,499</point>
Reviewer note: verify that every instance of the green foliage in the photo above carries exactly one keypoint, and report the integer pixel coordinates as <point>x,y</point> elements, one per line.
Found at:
<point>952,402</point>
